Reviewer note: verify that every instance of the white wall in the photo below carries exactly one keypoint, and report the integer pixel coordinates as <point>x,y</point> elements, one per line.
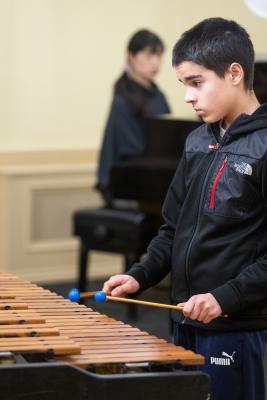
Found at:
<point>59,59</point>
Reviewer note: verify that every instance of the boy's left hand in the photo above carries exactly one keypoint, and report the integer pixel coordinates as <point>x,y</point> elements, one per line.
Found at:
<point>203,307</point>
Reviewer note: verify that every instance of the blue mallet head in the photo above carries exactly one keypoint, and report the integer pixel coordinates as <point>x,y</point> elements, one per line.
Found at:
<point>74,295</point>
<point>101,297</point>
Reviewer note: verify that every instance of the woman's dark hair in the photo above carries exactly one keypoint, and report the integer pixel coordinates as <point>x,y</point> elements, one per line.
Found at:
<point>145,39</point>
<point>125,86</point>
<point>216,43</point>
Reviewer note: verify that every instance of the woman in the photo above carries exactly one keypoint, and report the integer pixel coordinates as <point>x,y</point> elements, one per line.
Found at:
<point>135,96</point>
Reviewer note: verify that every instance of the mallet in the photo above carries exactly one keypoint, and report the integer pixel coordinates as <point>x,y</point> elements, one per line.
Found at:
<point>101,297</point>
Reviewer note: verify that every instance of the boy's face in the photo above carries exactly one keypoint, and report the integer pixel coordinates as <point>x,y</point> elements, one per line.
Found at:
<point>212,97</point>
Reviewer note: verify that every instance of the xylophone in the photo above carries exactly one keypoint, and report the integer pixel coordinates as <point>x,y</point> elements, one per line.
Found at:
<point>51,347</point>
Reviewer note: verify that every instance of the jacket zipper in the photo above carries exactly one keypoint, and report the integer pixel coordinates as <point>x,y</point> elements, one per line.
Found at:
<point>202,194</point>
<point>215,183</point>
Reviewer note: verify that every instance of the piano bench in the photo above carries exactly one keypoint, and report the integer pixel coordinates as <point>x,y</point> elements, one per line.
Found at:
<point>121,231</point>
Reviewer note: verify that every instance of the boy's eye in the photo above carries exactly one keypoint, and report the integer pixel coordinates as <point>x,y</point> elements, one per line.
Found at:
<point>196,83</point>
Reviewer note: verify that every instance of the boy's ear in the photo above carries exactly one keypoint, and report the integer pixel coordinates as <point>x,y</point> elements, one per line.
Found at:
<point>236,73</point>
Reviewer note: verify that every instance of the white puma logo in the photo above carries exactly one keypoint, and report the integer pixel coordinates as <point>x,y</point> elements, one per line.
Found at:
<point>227,355</point>
<point>223,361</point>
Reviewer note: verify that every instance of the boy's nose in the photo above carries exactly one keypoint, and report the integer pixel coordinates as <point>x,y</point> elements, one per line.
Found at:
<point>190,96</point>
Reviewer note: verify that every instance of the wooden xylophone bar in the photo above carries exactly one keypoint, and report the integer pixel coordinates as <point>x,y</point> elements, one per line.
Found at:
<point>33,319</point>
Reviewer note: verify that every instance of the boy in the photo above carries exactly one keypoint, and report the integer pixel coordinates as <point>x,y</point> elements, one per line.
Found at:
<point>214,239</point>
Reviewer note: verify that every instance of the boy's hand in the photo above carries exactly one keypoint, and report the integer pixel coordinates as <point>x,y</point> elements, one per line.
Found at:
<point>203,307</point>
<point>120,285</point>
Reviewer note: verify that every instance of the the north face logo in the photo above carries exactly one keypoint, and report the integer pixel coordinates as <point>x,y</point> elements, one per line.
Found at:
<point>243,168</point>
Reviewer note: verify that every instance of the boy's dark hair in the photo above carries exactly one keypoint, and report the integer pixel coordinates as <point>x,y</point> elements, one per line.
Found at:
<point>145,39</point>
<point>216,43</point>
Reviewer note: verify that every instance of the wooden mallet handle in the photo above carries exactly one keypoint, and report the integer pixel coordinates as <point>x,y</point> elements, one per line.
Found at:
<point>75,295</point>
<point>144,303</point>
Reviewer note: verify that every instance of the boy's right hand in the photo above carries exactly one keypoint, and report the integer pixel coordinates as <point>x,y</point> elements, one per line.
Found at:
<point>120,285</point>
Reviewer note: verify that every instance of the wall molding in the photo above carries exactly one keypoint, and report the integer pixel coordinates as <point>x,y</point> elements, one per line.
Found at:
<point>48,156</point>
<point>38,197</point>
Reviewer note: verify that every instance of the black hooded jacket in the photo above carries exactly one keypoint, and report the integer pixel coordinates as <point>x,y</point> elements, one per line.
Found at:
<point>215,234</point>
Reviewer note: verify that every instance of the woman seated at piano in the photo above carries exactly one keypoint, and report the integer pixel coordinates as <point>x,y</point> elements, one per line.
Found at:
<point>135,96</point>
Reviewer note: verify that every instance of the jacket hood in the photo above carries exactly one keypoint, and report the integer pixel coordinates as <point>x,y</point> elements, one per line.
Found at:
<point>246,123</point>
